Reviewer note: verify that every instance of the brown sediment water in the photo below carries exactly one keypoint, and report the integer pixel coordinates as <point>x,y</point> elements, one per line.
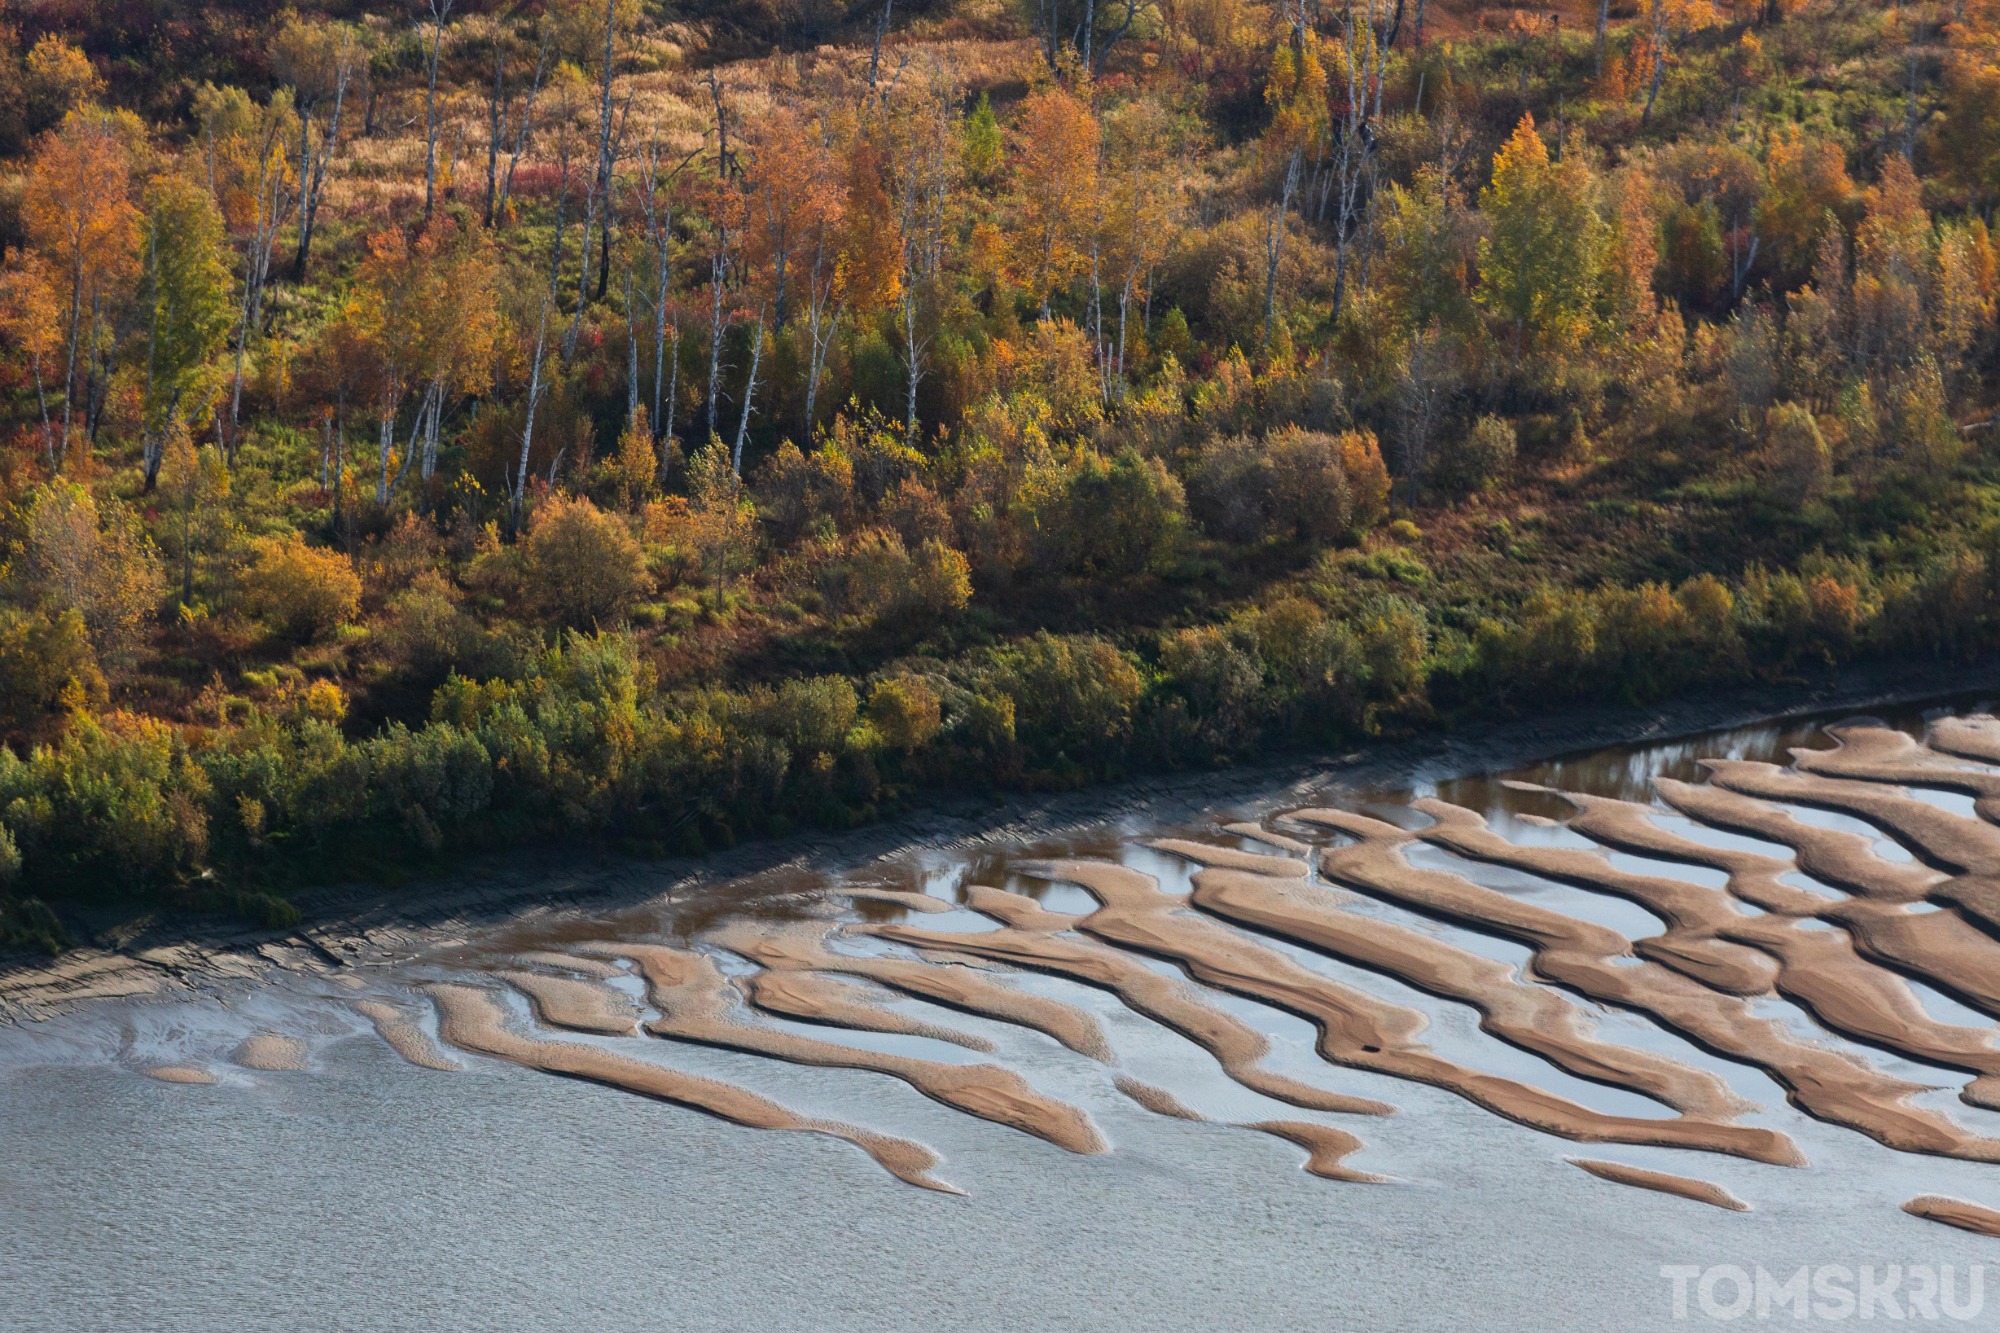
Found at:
<point>1533,1018</point>
<point>179,1074</point>
<point>1955,1213</point>
<point>1830,1085</point>
<point>269,1050</point>
<point>1357,1029</point>
<point>472,1020</point>
<point>1701,1191</point>
<point>580,1006</point>
<point>404,1037</point>
<point>692,997</point>
<point>1029,938</point>
<point>810,997</point>
<point>802,947</point>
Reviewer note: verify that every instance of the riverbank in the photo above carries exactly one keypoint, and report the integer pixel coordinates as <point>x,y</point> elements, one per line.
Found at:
<point>161,954</point>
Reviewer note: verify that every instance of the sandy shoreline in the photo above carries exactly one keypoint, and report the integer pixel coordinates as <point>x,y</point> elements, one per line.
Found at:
<point>164,958</point>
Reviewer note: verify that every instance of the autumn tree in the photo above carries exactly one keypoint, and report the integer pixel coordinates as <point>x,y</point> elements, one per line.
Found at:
<point>57,79</point>
<point>1056,140</point>
<point>31,322</point>
<point>1428,251</point>
<point>1806,188</point>
<point>1540,262</point>
<point>187,310</point>
<point>928,156</point>
<point>1669,22</point>
<point>77,210</point>
<point>256,184</point>
<point>321,62</point>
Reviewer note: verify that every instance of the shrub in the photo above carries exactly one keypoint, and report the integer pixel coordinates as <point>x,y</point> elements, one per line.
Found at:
<point>116,801</point>
<point>300,591</point>
<point>46,664</point>
<point>1090,514</point>
<point>880,579</point>
<point>905,711</point>
<point>428,629</point>
<point>95,562</point>
<point>1367,479</point>
<point>1073,697</point>
<point>1218,684</point>
<point>1477,460</point>
<point>1801,464</point>
<point>582,566</point>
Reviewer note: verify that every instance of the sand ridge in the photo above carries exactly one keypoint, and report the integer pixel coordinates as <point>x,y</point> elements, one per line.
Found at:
<point>270,1051</point>
<point>580,1006</point>
<point>803,947</point>
<point>1830,1085</point>
<point>1029,938</point>
<point>1955,1213</point>
<point>1357,1029</point>
<point>811,997</point>
<point>404,1037</point>
<point>473,1020</point>
<point>692,997</point>
<point>1821,970</point>
<point>1701,1191</point>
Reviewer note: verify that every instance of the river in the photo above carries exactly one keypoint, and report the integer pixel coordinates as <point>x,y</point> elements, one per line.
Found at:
<point>1042,1087</point>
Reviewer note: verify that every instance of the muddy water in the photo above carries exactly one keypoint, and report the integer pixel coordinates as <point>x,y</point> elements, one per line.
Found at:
<point>1473,1050</point>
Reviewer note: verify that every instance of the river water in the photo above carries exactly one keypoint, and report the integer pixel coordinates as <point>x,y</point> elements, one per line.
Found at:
<point>363,1191</point>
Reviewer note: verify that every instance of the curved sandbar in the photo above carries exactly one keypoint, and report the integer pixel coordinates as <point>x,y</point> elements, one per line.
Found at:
<point>1701,1191</point>
<point>1955,1213</point>
<point>1028,938</point>
<point>472,1020</point>
<point>803,947</point>
<point>580,1006</point>
<point>1357,1029</point>
<point>693,999</point>
<point>1830,1085</point>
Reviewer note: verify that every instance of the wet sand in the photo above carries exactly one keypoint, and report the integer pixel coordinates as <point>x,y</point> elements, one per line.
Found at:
<point>401,1034</point>
<point>1589,959</point>
<point>1701,1191</point>
<point>691,995</point>
<point>1360,1031</point>
<point>1955,1213</point>
<point>180,1074</point>
<point>939,980</point>
<point>580,1006</point>
<point>470,1019</point>
<point>269,1050</point>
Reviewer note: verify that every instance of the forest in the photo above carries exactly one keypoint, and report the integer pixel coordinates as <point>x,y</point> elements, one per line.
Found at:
<point>440,426</point>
